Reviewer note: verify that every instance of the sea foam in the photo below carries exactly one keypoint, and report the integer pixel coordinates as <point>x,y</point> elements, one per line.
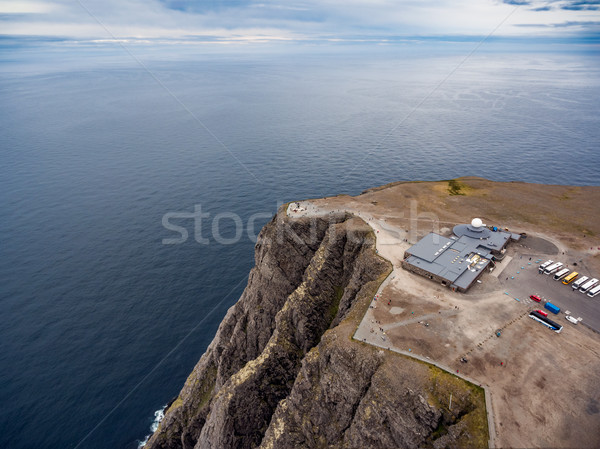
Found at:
<point>158,417</point>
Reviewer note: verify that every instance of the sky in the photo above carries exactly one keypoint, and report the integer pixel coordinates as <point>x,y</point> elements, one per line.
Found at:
<point>258,21</point>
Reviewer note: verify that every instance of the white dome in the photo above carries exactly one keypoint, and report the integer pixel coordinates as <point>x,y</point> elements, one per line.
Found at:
<point>476,222</point>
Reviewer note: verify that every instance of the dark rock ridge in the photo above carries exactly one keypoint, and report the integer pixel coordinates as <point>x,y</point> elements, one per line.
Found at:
<point>282,370</point>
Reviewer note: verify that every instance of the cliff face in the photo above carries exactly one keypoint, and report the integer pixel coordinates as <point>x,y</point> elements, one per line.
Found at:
<point>282,370</point>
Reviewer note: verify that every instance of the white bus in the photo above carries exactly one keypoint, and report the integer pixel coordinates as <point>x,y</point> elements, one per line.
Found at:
<point>579,282</point>
<point>552,268</point>
<point>589,284</point>
<point>593,292</point>
<point>545,264</point>
<point>561,274</point>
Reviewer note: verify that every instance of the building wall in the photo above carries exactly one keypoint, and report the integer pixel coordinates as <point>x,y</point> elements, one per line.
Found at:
<point>421,272</point>
<point>440,280</point>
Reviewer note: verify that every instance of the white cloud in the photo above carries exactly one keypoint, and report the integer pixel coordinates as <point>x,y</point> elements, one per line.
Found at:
<point>275,19</point>
<point>20,7</point>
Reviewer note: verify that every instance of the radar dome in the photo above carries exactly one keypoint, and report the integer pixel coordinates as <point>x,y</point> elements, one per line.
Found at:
<point>476,223</point>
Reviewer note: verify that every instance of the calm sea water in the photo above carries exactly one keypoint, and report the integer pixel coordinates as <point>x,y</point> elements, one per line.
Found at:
<point>93,305</point>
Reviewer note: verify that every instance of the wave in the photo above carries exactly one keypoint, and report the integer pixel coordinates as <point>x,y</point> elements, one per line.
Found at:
<point>158,417</point>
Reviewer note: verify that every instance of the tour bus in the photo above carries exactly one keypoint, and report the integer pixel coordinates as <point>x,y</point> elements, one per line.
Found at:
<point>540,318</point>
<point>552,268</point>
<point>579,282</point>
<point>589,284</point>
<point>570,278</point>
<point>561,274</point>
<point>545,264</point>
<point>593,292</point>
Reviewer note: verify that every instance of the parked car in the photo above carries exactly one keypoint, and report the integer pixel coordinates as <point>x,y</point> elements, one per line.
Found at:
<point>571,319</point>
<point>536,298</point>
<point>541,312</point>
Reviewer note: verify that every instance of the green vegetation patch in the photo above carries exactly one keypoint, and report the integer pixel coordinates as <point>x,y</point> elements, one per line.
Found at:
<point>335,304</point>
<point>456,188</point>
<point>207,386</point>
<point>175,405</point>
<point>466,411</point>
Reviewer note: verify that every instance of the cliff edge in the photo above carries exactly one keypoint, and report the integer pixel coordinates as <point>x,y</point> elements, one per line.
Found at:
<point>283,370</point>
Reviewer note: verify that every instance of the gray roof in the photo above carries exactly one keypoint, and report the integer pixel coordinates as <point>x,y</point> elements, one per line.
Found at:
<point>449,258</point>
<point>493,240</point>
<point>430,246</point>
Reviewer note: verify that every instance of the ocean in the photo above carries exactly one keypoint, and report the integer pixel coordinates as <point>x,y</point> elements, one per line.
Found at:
<point>113,278</point>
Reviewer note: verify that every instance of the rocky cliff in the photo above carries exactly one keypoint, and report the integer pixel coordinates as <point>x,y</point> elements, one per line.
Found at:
<point>283,370</point>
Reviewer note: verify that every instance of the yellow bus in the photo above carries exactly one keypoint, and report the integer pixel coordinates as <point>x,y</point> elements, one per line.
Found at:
<point>570,278</point>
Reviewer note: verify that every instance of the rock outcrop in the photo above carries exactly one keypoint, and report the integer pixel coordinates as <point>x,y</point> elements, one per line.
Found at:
<point>283,371</point>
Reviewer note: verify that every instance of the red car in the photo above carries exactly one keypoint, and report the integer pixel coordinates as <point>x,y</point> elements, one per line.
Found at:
<point>541,312</point>
<point>536,298</point>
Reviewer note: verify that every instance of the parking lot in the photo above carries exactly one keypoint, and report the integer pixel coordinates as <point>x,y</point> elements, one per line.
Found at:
<point>521,279</point>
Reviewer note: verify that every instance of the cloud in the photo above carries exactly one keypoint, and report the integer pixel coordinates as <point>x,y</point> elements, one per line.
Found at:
<point>565,5</point>
<point>581,6</point>
<point>25,7</point>
<point>583,23</point>
<point>204,5</point>
<point>279,20</point>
